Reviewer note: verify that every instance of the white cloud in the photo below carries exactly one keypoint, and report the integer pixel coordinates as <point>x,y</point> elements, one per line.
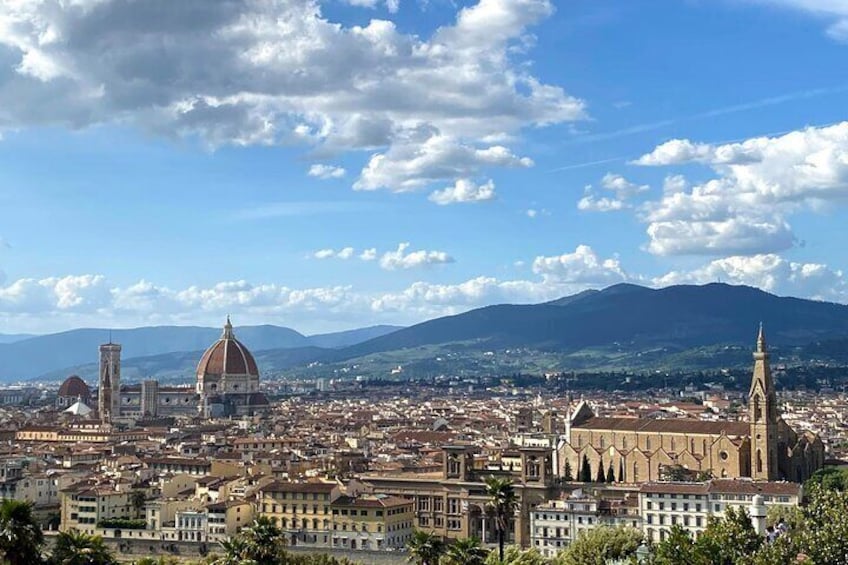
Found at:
<point>343,253</point>
<point>368,254</point>
<point>391,5</point>
<point>834,11</point>
<point>425,157</point>
<point>623,189</point>
<point>324,254</point>
<point>464,190</point>
<point>582,266</point>
<point>769,272</point>
<point>532,213</point>
<point>326,172</point>
<point>245,72</point>
<point>592,203</point>
<point>402,258</point>
<point>760,183</point>
<point>58,303</point>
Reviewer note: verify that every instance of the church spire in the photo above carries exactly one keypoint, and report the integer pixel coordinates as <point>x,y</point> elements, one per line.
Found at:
<point>761,340</point>
<point>762,415</point>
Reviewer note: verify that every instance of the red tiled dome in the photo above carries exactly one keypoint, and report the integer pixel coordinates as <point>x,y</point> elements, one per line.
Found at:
<point>227,356</point>
<point>74,387</point>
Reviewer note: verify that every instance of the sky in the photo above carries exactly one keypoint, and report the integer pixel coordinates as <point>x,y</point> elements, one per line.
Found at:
<point>334,164</point>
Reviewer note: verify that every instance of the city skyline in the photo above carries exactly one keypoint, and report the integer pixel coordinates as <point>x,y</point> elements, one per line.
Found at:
<point>332,165</point>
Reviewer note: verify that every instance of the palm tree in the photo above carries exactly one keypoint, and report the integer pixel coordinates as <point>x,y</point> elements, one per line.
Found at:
<point>503,502</point>
<point>76,548</point>
<point>20,536</point>
<point>424,548</point>
<point>138,498</point>
<point>236,552</point>
<point>465,551</point>
<point>264,540</point>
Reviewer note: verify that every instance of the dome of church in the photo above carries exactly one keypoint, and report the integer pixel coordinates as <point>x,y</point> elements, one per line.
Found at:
<point>227,356</point>
<point>74,387</point>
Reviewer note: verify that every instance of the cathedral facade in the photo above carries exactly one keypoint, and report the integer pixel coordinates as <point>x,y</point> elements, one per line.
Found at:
<point>637,449</point>
<point>227,384</point>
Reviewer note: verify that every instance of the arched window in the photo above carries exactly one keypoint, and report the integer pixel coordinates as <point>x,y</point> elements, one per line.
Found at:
<point>758,411</point>
<point>759,461</point>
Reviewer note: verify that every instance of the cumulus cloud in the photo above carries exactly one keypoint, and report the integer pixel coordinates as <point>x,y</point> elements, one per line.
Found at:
<point>769,272</point>
<point>464,190</point>
<point>592,203</point>
<point>622,189</point>
<point>425,157</point>
<point>281,72</point>
<point>368,254</point>
<point>402,258</point>
<point>55,303</point>
<point>582,266</point>
<point>760,183</point>
<point>325,172</point>
<point>343,253</point>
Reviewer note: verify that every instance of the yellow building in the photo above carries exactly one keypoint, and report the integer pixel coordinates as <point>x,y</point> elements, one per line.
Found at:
<point>637,449</point>
<point>373,522</point>
<point>301,510</point>
<point>84,506</point>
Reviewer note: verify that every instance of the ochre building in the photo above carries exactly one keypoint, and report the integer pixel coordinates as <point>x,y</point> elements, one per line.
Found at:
<point>637,449</point>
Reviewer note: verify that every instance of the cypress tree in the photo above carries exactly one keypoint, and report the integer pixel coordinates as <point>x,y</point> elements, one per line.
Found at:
<point>601,478</point>
<point>621,470</point>
<point>610,474</point>
<point>566,473</point>
<point>585,471</point>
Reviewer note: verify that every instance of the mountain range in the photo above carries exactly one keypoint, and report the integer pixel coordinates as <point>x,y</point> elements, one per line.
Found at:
<point>621,326</point>
<point>39,355</point>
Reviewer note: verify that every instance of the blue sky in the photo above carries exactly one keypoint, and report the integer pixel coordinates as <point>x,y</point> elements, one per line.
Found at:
<point>327,165</point>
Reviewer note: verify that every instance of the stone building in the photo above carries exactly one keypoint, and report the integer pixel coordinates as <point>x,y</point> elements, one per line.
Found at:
<point>637,449</point>
<point>228,379</point>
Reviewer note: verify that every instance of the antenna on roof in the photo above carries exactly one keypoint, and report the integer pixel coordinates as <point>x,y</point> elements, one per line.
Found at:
<point>110,336</point>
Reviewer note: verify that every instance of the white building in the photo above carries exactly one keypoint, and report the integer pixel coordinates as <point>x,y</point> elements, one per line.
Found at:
<point>557,523</point>
<point>663,505</point>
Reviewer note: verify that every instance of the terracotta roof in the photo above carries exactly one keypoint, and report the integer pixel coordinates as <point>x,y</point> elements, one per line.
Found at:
<point>74,387</point>
<point>725,486</point>
<point>672,425</point>
<point>281,486</point>
<point>227,356</point>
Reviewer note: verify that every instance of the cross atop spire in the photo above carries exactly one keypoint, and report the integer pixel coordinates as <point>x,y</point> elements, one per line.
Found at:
<point>761,340</point>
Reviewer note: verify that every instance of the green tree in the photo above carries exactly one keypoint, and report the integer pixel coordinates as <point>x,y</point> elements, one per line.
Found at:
<point>600,477</point>
<point>21,538</point>
<point>728,540</point>
<point>503,502</point>
<point>610,474</point>
<point>76,548</point>
<point>567,472</point>
<point>678,547</point>
<point>465,551</point>
<point>265,541</point>
<point>236,552</point>
<point>600,545</point>
<point>425,548</point>
<point>514,555</point>
<point>823,534</point>
<point>829,478</point>
<point>585,471</point>
<point>138,498</point>
<point>621,470</point>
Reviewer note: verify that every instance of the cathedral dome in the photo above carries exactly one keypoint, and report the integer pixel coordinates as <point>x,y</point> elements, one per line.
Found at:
<point>74,387</point>
<point>227,356</point>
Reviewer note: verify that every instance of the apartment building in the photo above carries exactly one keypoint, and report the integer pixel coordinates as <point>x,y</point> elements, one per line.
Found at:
<point>374,522</point>
<point>557,523</point>
<point>301,510</point>
<point>689,505</point>
<point>83,506</point>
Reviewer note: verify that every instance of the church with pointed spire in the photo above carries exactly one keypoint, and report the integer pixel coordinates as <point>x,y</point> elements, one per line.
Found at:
<point>764,447</point>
